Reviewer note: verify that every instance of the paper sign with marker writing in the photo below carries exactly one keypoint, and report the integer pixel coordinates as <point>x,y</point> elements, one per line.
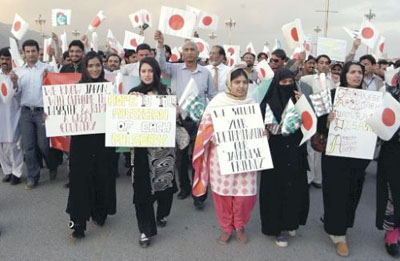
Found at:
<point>75,109</point>
<point>349,133</point>
<point>239,135</point>
<point>141,121</point>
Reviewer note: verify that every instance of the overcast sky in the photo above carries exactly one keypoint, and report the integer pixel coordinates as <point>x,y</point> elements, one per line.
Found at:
<point>257,20</point>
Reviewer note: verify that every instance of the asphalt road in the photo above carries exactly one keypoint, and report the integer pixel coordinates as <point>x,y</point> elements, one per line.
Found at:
<point>33,226</point>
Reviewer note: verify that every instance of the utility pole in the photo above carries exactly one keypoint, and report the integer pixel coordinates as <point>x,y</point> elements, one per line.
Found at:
<point>230,24</point>
<point>317,30</point>
<point>326,11</point>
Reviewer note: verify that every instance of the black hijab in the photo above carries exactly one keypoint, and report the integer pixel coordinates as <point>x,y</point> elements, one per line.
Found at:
<point>156,85</point>
<point>278,95</point>
<point>85,75</point>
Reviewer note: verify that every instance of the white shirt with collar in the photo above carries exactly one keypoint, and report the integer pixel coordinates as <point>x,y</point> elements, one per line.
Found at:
<point>223,71</point>
<point>314,82</point>
<point>131,69</point>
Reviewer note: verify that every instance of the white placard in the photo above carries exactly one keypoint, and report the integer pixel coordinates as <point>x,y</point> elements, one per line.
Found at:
<point>239,135</point>
<point>334,48</point>
<point>141,121</point>
<point>75,109</point>
<point>349,134</point>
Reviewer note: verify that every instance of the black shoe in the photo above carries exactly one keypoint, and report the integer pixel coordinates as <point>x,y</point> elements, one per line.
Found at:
<point>144,241</point>
<point>162,222</point>
<point>99,221</point>
<point>7,178</point>
<point>79,231</point>
<point>198,204</point>
<point>77,234</point>
<point>392,249</point>
<point>66,185</point>
<point>322,219</point>
<point>183,194</point>
<point>53,174</point>
<point>15,180</point>
<point>316,185</point>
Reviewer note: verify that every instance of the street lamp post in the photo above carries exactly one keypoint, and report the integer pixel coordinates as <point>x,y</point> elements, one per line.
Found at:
<point>212,36</point>
<point>230,24</point>
<point>41,21</point>
<point>317,30</point>
<point>76,33</point>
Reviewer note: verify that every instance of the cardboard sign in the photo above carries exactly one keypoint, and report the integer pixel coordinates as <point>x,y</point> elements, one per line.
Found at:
<point>141,121</point>
<point>75,109</point>
<point>239,133</point>
<point>334,48</point>
<point>349,133</point>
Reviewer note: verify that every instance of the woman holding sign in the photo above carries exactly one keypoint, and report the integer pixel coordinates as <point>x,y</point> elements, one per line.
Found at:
<point>92,191</point>
<point>153,169</point>
<point>235,194</point>
<point>284,198</point>
<point>342,177</point>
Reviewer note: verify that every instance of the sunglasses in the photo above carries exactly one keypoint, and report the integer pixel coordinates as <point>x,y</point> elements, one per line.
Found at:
<point>274,60</point>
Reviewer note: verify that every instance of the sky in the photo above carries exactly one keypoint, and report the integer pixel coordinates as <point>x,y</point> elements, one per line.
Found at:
<point>258,21</point>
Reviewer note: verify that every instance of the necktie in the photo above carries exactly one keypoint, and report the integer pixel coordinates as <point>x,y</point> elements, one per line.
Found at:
<point>215,79</point>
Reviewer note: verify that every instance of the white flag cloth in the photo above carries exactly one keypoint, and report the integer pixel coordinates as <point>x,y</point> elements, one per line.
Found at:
<point>147,17</point>
<point>296,53</point>
<point>369,34</point>
<point>94,43</point>
<point>139,18</point>
<point>96,21</point>
<point>191,103</point>
<point>267,51</point>
<point>353,34</point>
<point>250,48</point>
<point>208,21</point>
<point>386,119</point>
<point>132,40</point>
<point>115,46</point>
<point>175,55</point>
<point>194,10</point>
<point>60,17</point>
<point>203,47</point>
<point>232,54</point>
<point>6,89</point>
<point>47,49</point>
<point>177,22</point>
<point>380,47</point>
<point>308,118</point>
<point>391,76</point>
<point>16,58</point>
<point>294,33</point>
<point>19,27</point>
<point>264,71</point>
<point>64,42</point>
<point>307,46</point>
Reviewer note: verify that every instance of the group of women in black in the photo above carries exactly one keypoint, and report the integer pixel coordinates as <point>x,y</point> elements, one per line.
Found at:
<point>284,196</point>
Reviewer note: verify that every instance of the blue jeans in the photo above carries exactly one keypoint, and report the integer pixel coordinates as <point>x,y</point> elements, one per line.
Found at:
<point>33,134</point>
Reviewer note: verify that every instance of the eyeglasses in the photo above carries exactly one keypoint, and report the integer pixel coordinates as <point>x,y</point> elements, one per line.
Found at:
<point>274,60</point>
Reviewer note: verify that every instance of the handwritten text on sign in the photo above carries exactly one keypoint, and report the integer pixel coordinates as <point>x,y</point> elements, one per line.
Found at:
<point>140,121</point>
<point>75,109</point>
<point>349,134</point>
<point>239,133</point>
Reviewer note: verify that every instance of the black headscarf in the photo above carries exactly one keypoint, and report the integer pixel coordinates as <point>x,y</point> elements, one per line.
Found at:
<point>85,75</point>
<point>278,95</point>
<point>156,85</point>
<point>345,70</point>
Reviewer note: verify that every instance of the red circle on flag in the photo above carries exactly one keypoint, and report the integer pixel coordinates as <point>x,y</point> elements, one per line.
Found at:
<point>307,120</point>
<point>96,22</point>
<point>231,62</point>
<point>114,50</point>
<point>133,42</point>
<point>388,117</point>
<point>294,34</point>
<point>381,47</point>
<point>231,50</point>
<point>296,56</point>
<point>4,90</point>
<point>394,79</point>
<point>173,58</point>
<point>176,22</point>
<point>136,19</point>
<point>120,88</point>
<point>17,26</point>
<point>263,73</point>
<point>367,32</point>
<point>147,18</point>
<point>48,50</point>
<point>200,46</point>
<point>207,20</point>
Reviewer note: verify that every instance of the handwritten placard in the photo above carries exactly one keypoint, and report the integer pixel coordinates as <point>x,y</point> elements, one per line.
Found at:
<point>141,121</point>
<point>239,133</point>
<point>75,109</point>
<point>349,134</point>
<point>334,48</point>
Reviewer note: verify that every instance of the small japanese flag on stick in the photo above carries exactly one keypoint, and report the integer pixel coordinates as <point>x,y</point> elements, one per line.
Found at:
<point>380,47</point>
<point>250,48</point>
<point>232,54</point>
<point>16,58</point>
<point>202,47</point>
<point>175,55</point>
<point>47,49</point>
<point>208,21</point>
<point>369,34</point>
<point>132,40</point>
<point>264,71</point>
<point>6,89</point>
<point>96,22</point>
<point>177,22</point>
<point>294,34</point>
<point>392,76</point>
<point>308,118</point>
<point>19,27</point>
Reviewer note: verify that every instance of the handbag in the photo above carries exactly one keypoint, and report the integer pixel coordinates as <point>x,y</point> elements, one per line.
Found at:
<point>319,141</point>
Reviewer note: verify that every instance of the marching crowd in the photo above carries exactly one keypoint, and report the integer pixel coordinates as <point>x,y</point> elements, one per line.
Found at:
<point>283,191</point>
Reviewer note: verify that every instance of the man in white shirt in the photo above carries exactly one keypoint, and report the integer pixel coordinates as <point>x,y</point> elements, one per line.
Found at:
<point>29,88</point>
<point>143,50</point>
<point>218,69</point>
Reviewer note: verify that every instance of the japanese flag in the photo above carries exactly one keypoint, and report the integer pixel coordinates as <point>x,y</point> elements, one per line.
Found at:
<point>308,118</point>
<point>294,34</point>
<point>296,53</point>
<point>392,76</point>
<point>6,89</point>
<point>19,27</point>
<point>250,48</point>
<point>136,19</point>
<point>307,46</point>
<point>208,21</point>
<point>264,72</point>
<point>60,17</point>
<point>232,54</point>
<point>64,42</point>
<point>96,21</point>
<point>380,47</point>
<point>94,43</point>
<point>115,46</point>
<point>132,40</point>
<point>352,33</point>
<point>177,22</point>
<point>369,34</point>
<point>203,47</point>
<point>267,51</point>
<point>118,84</point>
<point>386,119</point>
<point>47,49</point>
<point>175,55</point>
<point>16,58</point>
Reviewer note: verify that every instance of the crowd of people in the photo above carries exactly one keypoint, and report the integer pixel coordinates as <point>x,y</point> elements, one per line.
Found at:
<point>283,191</point>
